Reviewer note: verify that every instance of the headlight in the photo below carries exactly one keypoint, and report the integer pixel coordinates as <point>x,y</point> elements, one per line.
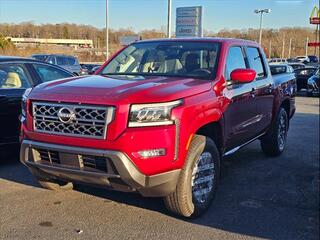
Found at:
<point>24,101</point>
<point>154,114</point>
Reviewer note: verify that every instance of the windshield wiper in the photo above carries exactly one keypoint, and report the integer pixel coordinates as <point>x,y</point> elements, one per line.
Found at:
<point>104,74</point>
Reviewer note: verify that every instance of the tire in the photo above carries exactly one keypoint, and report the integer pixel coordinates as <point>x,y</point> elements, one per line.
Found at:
<point>274,143</point>
<point>55,185</point>
<point>299,88</point>
<point>186,200</point>
<point>309,93</point>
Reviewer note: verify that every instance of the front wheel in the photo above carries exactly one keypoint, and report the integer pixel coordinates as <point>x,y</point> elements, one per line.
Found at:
<point>309,92</point>
<point>198,180</point>
<point>273,144</point>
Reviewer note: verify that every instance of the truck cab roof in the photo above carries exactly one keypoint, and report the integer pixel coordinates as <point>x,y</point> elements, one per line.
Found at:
<point>203,39</point>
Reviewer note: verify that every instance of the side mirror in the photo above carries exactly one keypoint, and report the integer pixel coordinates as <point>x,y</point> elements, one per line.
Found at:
<point>243,75</point>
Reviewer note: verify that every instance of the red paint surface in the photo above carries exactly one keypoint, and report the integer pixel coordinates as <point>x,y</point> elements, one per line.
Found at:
<point>204,101</point>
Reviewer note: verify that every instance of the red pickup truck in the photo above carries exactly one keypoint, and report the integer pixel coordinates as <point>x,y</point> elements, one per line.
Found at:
<point>157,118</point>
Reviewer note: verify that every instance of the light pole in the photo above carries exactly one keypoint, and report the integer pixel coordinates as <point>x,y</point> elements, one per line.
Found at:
<point>107,29</point>
<point>169,20</point>
<point>290,45</point>
<point>270,46</point>
<point>261,12</point>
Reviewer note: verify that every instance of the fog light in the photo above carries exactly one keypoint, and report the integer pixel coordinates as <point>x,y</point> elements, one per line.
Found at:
<point>152,153</point>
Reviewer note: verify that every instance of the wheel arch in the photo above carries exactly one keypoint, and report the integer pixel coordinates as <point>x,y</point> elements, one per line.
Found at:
<point>286,105</point>
<point>213,130</point>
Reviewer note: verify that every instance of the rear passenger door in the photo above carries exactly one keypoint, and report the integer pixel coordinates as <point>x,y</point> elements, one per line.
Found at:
<point>14,80</point>
<point>241,113</point>
<point>263,88</point>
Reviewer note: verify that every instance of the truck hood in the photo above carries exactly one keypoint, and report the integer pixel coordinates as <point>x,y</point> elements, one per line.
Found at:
<point>120,89</point>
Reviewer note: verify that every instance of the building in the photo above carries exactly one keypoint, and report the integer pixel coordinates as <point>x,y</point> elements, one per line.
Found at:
<point>82,43</point>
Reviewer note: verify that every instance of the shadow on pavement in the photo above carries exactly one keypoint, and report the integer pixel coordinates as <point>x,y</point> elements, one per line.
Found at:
<point>275,198</point>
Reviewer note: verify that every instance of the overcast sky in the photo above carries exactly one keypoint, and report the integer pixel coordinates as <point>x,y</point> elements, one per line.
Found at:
<point>152,14</point>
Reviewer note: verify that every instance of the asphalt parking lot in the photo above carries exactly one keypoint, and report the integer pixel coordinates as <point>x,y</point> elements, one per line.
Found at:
<point>259,197</point>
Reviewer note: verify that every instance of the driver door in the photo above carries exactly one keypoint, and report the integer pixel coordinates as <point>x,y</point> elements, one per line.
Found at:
<point>241,114</point>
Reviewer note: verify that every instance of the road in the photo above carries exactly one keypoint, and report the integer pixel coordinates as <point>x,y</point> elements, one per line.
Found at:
<point>259,197</point>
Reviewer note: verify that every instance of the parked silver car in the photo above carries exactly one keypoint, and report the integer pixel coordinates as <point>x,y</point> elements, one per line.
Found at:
<point>67,62</point>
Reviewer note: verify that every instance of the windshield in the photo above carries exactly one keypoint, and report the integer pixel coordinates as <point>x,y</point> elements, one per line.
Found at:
<point>185,59</point>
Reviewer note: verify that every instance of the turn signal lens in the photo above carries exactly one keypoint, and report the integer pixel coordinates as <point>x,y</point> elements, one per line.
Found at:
<point>151,153</point>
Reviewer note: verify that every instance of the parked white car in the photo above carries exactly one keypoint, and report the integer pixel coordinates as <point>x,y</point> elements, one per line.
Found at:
<point>278,61</point>
<point>303,59</point>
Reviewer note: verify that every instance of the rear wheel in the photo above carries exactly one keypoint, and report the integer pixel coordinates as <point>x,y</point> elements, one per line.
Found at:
<point>198,180</point>
<point>273,144</point>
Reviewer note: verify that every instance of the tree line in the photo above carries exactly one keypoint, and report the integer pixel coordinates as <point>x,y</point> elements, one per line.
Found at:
<point>278,39</point>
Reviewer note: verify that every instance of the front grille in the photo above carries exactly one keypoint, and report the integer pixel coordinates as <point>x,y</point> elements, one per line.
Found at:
<point>72,119</point>
<point>49,156</point>
<point>76,161</point>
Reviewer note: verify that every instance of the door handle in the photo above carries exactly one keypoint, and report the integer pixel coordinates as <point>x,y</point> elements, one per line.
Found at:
<point>253,92</point>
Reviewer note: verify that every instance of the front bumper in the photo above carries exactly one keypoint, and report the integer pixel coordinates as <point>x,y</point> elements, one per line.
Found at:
<point>313,87</point>
<point>115,171</point>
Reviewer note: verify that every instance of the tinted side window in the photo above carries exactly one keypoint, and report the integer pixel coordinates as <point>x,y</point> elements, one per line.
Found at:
<point>278,69</point>
<point>51,60</point>
<point>72,61</point>
<point>255,61</point>
<point>49,73</point>
<point>13,76</point>
<point>62,61</point>
<point>235,60</point>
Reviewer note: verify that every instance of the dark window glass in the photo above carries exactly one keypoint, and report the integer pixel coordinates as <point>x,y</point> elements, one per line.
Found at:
<point>13,76</point>
<point>235,60</point>
<point>40,57</point>
<point>255,61</point>
<point>278,69</point>
<point>62,61</point>
<point>51,60</point>
<point>49,73</point>
<point>72,61</point>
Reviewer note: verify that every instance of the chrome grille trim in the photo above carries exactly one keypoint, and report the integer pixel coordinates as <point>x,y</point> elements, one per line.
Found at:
<point>90,121</point>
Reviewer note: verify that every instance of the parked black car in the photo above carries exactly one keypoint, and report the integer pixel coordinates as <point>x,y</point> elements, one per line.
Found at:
<point>296,65</point>
<point>314,83</point>
<point>313,58</point>
<point>302,76</point>
<point>16,75</point>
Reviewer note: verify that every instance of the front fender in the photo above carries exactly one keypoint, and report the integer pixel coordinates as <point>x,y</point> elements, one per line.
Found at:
<point>196,112</point>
